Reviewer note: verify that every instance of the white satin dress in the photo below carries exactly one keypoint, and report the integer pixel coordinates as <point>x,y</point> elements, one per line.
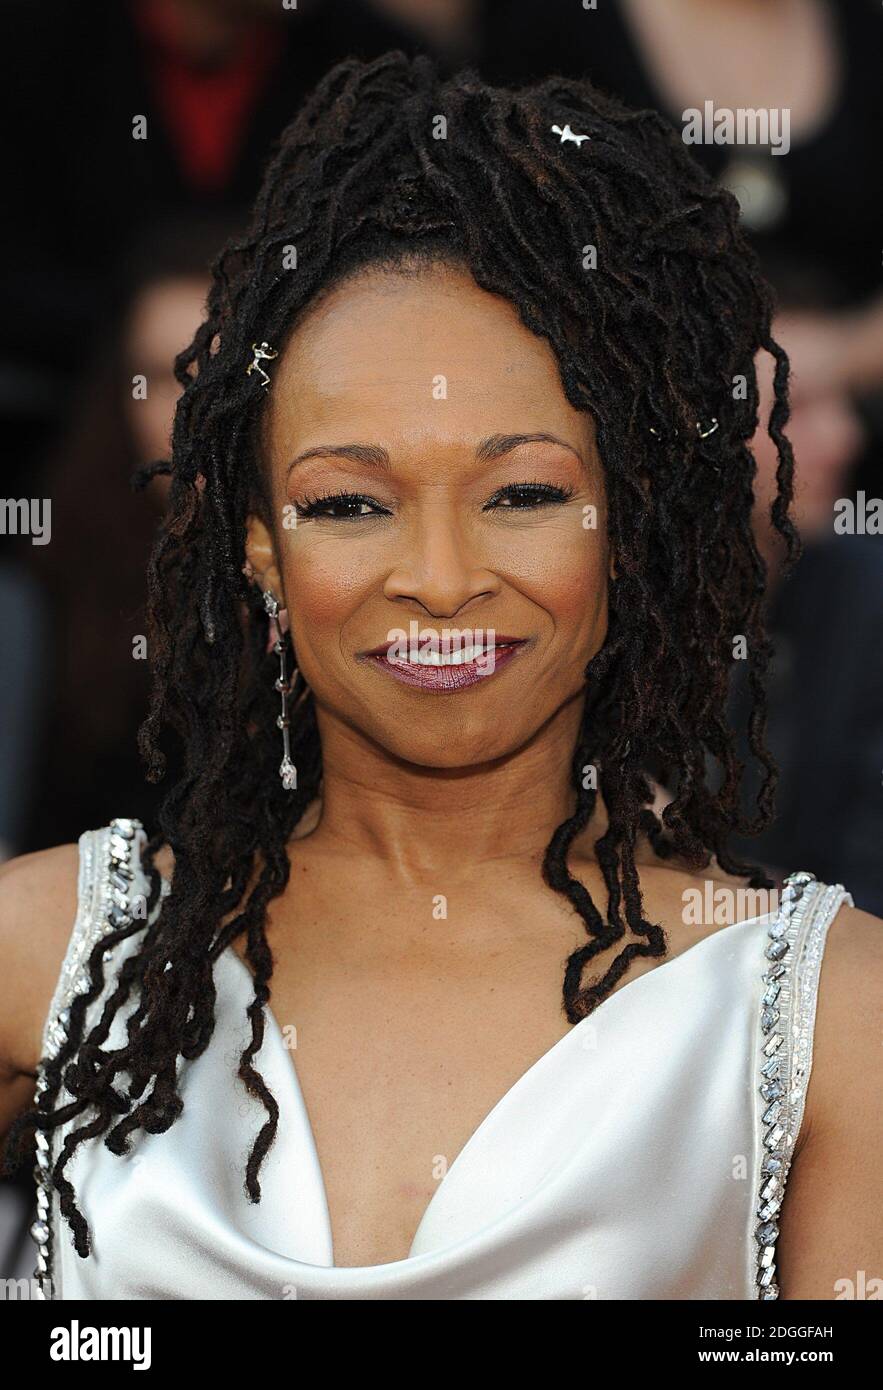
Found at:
<point>644,1156</point>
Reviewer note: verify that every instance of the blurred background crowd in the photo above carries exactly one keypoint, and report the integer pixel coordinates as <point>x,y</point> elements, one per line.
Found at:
<point>105,271</point>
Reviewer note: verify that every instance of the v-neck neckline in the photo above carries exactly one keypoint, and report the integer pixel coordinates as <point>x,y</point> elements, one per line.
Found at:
<point>478,1134</point>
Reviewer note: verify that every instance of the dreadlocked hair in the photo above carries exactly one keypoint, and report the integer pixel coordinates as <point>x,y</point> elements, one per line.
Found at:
<point>658,337</point>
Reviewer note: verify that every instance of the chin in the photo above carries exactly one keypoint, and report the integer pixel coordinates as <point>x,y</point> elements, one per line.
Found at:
<point>445,744</point>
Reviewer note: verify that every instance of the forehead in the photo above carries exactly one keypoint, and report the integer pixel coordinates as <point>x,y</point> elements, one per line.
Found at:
<point>391,352</point>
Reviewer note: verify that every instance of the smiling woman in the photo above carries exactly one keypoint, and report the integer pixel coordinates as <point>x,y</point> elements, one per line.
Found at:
<point>477,463</point>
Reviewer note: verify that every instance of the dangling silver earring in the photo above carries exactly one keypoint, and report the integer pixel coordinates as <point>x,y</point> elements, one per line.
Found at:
<point>287,770</point>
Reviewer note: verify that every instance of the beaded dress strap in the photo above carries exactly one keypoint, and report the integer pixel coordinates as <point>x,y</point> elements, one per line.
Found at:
<point>111,893</point>
<point>794,948</point>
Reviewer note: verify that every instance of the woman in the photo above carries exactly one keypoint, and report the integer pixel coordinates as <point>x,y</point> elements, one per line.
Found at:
<point>460,481</point>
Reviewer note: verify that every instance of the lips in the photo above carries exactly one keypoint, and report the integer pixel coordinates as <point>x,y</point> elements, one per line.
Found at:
<point>445,671</point>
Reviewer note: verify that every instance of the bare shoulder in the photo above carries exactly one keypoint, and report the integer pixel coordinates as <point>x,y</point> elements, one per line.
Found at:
<point>38,906</point>
<point>847,1053</point>
<point>164,862</point>
<point>831,1226</point>
<point>691,905</point>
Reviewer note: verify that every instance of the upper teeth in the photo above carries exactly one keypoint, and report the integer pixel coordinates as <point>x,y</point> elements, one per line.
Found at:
<point>458,658</point>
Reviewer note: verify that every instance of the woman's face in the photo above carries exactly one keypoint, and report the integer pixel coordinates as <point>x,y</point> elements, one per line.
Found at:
<point>433,488</point>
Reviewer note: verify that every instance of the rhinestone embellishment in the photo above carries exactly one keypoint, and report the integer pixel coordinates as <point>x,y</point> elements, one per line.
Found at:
<point>796,939</point>
<point>107,887</point>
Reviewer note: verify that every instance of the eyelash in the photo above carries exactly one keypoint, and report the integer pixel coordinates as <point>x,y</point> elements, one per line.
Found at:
<point>530,495</point>
<point>541,494</point>
<point>315,506</point>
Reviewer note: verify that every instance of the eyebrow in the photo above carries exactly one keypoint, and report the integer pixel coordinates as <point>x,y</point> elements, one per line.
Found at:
<point>499,444</point>
<point>375,456</point>
<point>371,454</point>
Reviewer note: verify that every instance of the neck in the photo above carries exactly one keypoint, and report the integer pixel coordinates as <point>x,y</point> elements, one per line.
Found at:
<point>423,821</point>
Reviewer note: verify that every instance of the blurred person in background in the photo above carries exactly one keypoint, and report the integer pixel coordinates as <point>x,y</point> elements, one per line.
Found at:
<point>814,212</point>
<point>452,30</point>
<point>825,719</point>
<point>123,112</point>
<point>93,572</point>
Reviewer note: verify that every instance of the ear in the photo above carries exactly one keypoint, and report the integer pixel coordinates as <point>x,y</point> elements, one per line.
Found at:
<point>260,553</point>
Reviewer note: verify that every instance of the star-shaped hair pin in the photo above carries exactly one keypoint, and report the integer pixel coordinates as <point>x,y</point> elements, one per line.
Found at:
<point>567,134</point>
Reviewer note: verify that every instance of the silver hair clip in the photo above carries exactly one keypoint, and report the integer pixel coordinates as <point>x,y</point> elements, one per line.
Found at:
<point>567,134</point>
<point>703,431</point>
<point>262,353</point>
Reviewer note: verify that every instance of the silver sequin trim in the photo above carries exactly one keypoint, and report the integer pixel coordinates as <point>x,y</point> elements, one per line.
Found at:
<point>795,942</point>
<point>109,882</point>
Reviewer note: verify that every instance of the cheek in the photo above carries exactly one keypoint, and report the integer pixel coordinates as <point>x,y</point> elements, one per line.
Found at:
<point>563,569</point>
<point>326,580</point>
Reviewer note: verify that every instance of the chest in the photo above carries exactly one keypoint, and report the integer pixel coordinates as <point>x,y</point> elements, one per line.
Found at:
<point>398,1067</point>
<point>408,1018</point>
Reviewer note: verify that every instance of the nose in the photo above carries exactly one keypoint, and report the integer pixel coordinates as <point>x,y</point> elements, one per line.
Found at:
<point>437,568</point>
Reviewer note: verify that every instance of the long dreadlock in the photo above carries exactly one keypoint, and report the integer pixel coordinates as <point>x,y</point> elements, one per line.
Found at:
<point>662,334</point>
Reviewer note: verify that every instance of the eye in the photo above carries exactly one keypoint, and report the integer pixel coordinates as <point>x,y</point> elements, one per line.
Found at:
<point>523,496</point>
<point>340,506</point>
